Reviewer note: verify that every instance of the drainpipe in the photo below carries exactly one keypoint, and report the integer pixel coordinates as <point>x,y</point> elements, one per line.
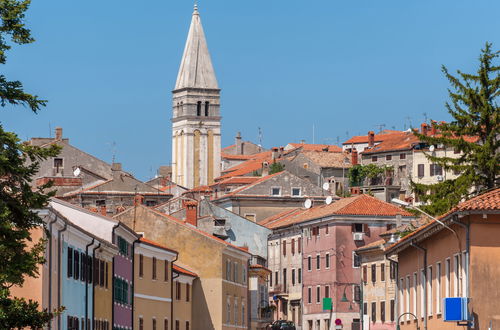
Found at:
<point>59,250</point>
<point>113,279</point>
<point>93,278</point>
<point>50,268</point>
<point>418,247</point>
<point>87,282</point>
<point>172,292</point>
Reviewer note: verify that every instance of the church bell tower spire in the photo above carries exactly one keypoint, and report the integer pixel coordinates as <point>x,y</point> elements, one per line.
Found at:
<point>196,113</point>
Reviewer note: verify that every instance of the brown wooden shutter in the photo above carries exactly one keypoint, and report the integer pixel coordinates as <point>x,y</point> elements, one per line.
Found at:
<point>431,169</point>
<point>299,243</point>
<point>382,272</point>
<point>293,246</point>
<point>420,170</point>
<point>365,274</point>
<point>353,227</point>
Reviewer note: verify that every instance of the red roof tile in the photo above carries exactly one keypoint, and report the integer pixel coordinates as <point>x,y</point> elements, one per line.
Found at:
<point>183,270</point>
<point>240,180</point>
<point>394,142</point>
<point>364,138</point>
<point>144,240</point>
<point>316,147</point>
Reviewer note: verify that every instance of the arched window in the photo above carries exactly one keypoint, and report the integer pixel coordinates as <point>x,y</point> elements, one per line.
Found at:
<point>198,109</point>
<point>207,104</point>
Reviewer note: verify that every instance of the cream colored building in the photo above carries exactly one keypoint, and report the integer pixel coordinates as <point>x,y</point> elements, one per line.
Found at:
<point>425,172</point>
<point>196,144</point>
<point>221,267</point>
<point>183,298</point>
<point>152,285</point>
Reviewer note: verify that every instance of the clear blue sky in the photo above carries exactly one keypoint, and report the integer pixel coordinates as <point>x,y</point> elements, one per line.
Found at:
<point>108,68</point>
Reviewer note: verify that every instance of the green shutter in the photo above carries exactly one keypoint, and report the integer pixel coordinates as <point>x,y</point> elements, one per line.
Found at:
<point>327,304</point>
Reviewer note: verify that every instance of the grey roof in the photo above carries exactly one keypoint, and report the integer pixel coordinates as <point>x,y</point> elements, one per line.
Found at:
<point>196,70</point>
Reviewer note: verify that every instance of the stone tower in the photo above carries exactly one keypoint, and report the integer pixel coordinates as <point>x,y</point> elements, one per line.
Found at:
<point>196,144</point>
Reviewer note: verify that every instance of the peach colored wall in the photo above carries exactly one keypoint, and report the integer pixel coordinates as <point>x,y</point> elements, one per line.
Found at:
<point>182,307</point>
<point>103,299</point>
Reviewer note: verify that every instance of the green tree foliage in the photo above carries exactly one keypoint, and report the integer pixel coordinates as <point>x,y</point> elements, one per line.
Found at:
<point>358,173</point>
<point>474,132</point>
<point>19,162</point>
<point>276,167</point>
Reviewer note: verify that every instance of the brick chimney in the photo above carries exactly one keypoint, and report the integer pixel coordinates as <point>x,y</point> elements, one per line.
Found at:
<point>281,152</point>
<point>354,157</point>
<point>424,128</point>
<point>239,149</point>
<point>138,200</point>
<point>371,138</point>
<point>433,128</point>
<point>103,210</point>
<point>274,153</point>
<point>59,133</point>
<point>191,212</point>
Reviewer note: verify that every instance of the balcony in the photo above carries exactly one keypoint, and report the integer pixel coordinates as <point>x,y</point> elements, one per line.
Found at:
<point>278,289</point>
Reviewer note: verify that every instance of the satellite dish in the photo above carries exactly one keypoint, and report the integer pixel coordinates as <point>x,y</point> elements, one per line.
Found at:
<point>308,203</point>
<point>431,148</point>
<point>329,200</point>
<point>77,171</point>
<point>326,186</point>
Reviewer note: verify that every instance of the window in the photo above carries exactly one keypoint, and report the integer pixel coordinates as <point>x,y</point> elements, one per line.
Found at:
<point>429,291</point>
<point>177,325</point>
<point>167,270</point>
<point>293,246</point>
<point>299,245</point>
<point>318,294</point>
<point>327,291</point>
<point>154,324</point>
<point>365,308</point>
<point>422,283</point>
<point>309,294</point>
<point>402,156</point>
<point>107,274</point>
<point>315,231</point>
<point>356,260</point>
<point>153,276</point>
<point>187,325</point>
<point>101,273</point>
<point>414,294</point>
<point>357,227</point>
<point>236,311</point>
<point>270,279</point>
<point>228,270</point>
<point>284,248</point>
<point>309,263</point>
<point>327,230</point>
<point>58,164</point>
<point>374,273</point>
<point>187,291</point>
<point>365,274</point>
<point>83,265</point>
<point>251,216</point>
<point>293,276</point>
<point>244,274</point>
<point>235,272</point>
<point>165,324</point>
<point>198,108</point>
<point>276,278</point>
<point>275,191</point>
<point>374,158</point>
<point>392,270</point>
<point>100,202</point>
<point>438,287</point>
<point>141,265</point>
<point>228,310</point>
<point>392,310</point>
<point>374,312</point>
<point>382,311</point>
<point>296,192</point>
<point>447,285</point>
<point>327,260</point>
<point>456,269</point>
<point>177,291</point>
<point>421,172</point>
<point>382,272</point>
<point>96,272</point>
<point>357,293</point>
<point>284,278</point>
<point>299,275</point>
<point>435,169</point>
<point>207,105</point>
<point>70,262</point>
<point>120,291</point>
<point>220,222</point>
<point>388,157</point>
<point>76,264</point>
<point>123,246</point>
<point>318,261</point>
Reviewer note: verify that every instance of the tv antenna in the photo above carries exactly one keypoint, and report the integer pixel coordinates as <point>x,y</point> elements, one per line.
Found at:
<point>260,136</point>
<point>380,127</point>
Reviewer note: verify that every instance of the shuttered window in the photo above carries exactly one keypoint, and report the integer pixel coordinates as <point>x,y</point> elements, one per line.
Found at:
<point>420,168</point>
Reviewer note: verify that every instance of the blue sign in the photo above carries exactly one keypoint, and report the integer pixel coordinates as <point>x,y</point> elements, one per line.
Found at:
<point>455,309</point>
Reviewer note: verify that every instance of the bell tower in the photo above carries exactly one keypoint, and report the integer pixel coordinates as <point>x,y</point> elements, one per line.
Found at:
<point>196,144</point>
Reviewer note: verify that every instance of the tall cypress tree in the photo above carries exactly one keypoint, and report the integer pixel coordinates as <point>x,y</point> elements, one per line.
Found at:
<point>19,162</point>
<point>474,132</point>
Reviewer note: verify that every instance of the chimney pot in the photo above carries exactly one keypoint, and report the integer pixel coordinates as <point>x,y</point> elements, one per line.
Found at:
<point>423,128</point>
<point>274,153</point>
<point>433,128</point>
<point>116,166</point>
<point>192,212</point>
<point>59,133</point>
<point>239,149</point>
<point>354,157</point>
<point>371,139</point>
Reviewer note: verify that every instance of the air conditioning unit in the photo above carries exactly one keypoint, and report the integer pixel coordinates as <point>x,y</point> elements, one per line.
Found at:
<point>456,309</point>
<point>357,236</point>
<point>439,178</point>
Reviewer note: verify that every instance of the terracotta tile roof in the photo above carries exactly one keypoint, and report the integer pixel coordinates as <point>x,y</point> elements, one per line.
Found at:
<point>394,142</point>
<point>363,205</point>
<point>248,166</point>
<point>183,270</point>
<point>201,189</point>
<point>147,241</point>
<point>240,180</point>
<point>257,266</point>
<point>488,201</point>
<point>329,159</point>
<point>316,147</point>
<point>279,216</point>
<point>236,157</point>
<point>377,244</point>
<point>261,179</point>
<point>378,137</point>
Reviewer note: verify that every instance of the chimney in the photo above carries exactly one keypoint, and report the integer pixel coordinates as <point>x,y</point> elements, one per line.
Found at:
<point>59,133</point>
<point>138,200</point>
<point>282,151</point>
<point>115,170</point>
<point>354,157</point>
<point>239,149</point>
<point>103,210</point>
<point>325,149</point>
<point>191,212</point>
<point>265,169</point>
<point>423,128</point>
<point>433,128</point>
<point>274,153</point>
<point>371,138</point>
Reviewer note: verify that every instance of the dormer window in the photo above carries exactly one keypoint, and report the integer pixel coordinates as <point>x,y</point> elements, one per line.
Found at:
<point>219,222</point>
<point>198,109</point>
<point>296,192</point>
<point>276,191</point>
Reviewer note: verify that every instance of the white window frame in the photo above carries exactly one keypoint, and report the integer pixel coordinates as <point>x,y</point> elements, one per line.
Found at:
<point>353,266</point>
<point>318,294</point>
<point>327,263</point>
<point>456,274</point>
<point>309,262</point>
<point>430,296</point>
<point>447,288</point>
<point>318,264</point>
<point>309,295</point>
<point>300,192</point>
<point>280,190</point>
<point>464,274</point>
